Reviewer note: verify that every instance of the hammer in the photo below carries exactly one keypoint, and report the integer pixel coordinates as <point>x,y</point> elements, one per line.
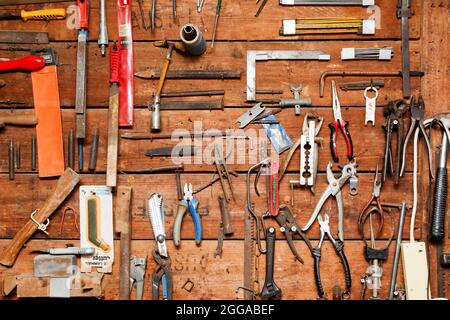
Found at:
<point>170,45</point>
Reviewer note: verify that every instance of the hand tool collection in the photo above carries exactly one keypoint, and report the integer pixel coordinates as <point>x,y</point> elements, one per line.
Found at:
<point>109,208</point>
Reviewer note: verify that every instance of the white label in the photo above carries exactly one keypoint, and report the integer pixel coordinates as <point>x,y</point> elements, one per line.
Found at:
<point>347,53</point>
<point>368,26</point>
<point>288,27</point>
<point>124,30</point>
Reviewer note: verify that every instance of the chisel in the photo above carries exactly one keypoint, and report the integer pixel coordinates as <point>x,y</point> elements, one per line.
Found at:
<point>47,14</point>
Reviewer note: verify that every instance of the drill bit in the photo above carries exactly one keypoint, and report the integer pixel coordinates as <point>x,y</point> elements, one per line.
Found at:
<point>219,4</point>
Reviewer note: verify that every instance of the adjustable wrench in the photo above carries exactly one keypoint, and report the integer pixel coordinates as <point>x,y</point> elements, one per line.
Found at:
<point>270,291</point>
<point>137,273</point>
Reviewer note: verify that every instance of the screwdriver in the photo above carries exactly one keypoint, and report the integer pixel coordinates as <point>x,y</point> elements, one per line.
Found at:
<point>219,5</point>
<point>48,14</point>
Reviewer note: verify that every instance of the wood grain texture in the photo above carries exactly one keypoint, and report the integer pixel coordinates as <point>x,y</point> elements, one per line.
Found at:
<point>238,32</point>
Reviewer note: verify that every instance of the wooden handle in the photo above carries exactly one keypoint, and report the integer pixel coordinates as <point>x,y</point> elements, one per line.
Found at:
<point>66,183</point>
<point>123,225</point>
<point>23,120</point>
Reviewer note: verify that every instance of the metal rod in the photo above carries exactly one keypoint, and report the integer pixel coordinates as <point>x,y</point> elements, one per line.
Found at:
<point>11,159</point>
<point>33,152</point>
<point>71,149</point>
<point>94,150</point>
<point>393,285</point>
<point>193,93</point>
<point>18,155</point>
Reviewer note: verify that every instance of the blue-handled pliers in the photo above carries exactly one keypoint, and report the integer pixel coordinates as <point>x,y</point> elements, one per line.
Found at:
<point>191,203</point>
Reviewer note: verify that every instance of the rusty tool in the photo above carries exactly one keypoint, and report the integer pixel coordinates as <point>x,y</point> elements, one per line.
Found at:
<point>16,37</point>
<point>11,159</point>
<point>187,134</point>
<point>177,169</point>
<point>18,120</point>
<point>189,74</point>
<point>39,219</point>
<point>360,73</point>
<point>141,12</point>
<point>94,150</point>
<point>190,105</point>
<point>170,45</point>
<point>71,149</point>
<point>33,152</point>
<point>17,151</point>
<point>213,180</point>
<point>193,93</point>
<point>177,151</point>
<point>81,79</point>
<point>122,225</point>
<point>261,7</point>
<point>404,13</point>
<point>222,170</point>
<point>225,216</point>
<point>362,85</point>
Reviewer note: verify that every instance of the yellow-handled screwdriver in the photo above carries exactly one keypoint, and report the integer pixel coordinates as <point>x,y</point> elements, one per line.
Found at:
<point>47,14</point>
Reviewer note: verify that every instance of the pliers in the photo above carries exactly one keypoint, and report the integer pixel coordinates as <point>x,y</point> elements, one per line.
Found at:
<point>187,203</point>
<point>338,246</point>
<point>289,227</point>
<point>333,189</point>
<point>417,111</point>
<point>162,274</point>
<point>365,212</point>
<point>394,120</point>
<point>337,124</point>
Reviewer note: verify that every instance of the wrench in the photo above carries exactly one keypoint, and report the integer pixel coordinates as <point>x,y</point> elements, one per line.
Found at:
<point>270,291</point>
<point>296,91</point>
<point>137,273</point>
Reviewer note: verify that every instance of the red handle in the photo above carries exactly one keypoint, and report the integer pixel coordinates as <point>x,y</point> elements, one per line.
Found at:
<point>274,207</point>
<point>30,63</point>
<point>83,7</point>
<point>348,139</point>
<point>114,60</point>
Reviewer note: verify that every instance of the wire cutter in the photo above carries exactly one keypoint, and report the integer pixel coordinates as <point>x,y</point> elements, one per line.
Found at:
<point>289,227</point>
<point>338,246</point>
<point>417,111</point>
<point>337,124</point>
<point>162,274</point>
<point>187,203</point>
<point>334,189</point>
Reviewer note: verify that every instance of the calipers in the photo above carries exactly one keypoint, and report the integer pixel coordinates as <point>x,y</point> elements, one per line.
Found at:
<point>265,55</point>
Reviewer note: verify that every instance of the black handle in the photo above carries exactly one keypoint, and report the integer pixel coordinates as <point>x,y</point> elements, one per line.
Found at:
<point>439,208</point>
<point>316,253</point>
<point>339,246</point>
<point>333,136</point>
<point>270,291</point>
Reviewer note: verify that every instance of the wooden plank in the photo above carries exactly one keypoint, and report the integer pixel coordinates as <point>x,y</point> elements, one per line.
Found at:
<point>368,141</point>
<point>218,278</point>
<point>233,13</point>
<point>228,57</point>
<point>30,192</point>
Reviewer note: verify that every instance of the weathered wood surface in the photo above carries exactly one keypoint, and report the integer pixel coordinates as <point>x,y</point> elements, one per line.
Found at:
<point>218,278</point>
<point>368,141</point>
<point>232,56</point>
<point>233,14</point>
<point>238,32</point>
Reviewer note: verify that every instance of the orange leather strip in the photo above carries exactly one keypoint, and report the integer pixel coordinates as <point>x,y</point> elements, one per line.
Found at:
<point>49,127</point>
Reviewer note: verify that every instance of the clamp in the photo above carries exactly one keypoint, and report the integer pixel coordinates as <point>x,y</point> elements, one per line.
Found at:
<point>334,189</point>
<point>162,275</point>
<point>338,246</point>
<point>187,203</point>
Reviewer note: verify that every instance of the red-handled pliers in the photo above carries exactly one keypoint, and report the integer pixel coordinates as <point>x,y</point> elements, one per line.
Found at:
<point>337,124</point>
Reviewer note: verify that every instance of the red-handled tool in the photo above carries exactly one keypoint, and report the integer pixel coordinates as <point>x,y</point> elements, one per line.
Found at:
<point>114,59</point>
<point>273,194</point>
<point>30,63</point>
<point>83,7</point>
<point>337,124</point>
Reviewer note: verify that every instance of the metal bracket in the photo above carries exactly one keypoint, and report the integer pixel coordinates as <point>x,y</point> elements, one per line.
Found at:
<point>254,56</point>
<point>41,226</point>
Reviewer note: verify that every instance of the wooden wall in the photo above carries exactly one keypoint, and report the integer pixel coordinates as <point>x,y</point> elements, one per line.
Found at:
<point>238,31</point>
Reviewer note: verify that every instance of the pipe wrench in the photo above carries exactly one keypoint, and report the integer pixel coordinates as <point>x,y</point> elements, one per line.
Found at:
<point>334,189</point>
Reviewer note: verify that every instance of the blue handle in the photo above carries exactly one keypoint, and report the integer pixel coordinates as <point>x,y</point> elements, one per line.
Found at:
<point>193,204</point>
<point>165,294</point>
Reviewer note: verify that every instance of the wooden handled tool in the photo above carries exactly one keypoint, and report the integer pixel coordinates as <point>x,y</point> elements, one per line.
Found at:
<point>23,120</point>
<point>66,183</point>
<point>122,225</point>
